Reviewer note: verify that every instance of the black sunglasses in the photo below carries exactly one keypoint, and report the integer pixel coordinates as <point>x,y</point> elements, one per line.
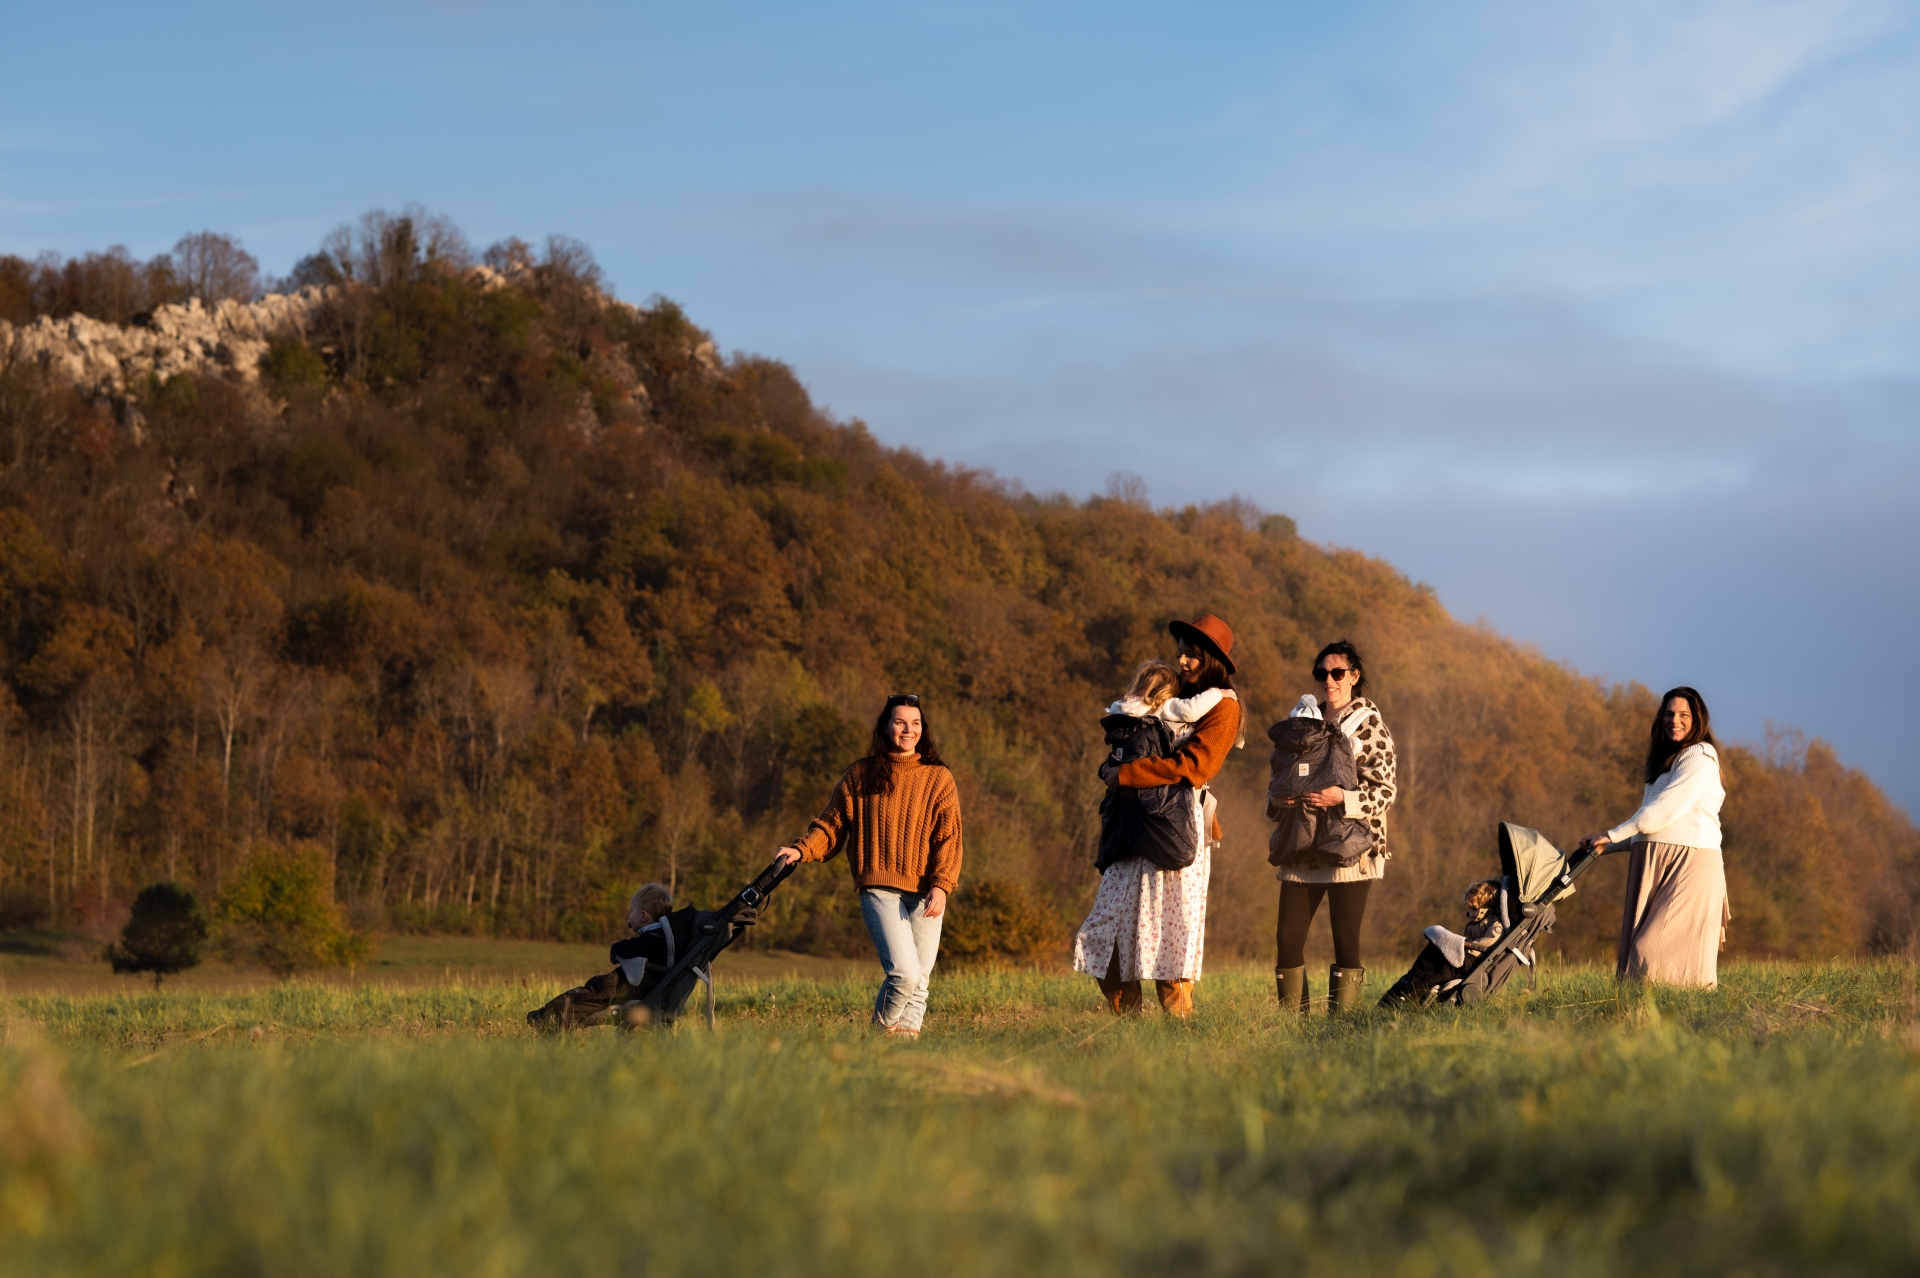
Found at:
<point>1335,673</point>
<point>905,699</point>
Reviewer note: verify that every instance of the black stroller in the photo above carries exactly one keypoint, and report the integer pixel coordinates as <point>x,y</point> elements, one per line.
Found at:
<point>1533,875</point>
<point>711,932</point>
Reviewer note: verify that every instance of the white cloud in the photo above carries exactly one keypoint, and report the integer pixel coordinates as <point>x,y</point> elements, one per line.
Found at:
<point>1606,77</point>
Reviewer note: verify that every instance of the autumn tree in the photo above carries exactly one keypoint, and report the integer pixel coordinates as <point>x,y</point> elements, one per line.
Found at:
<point>164,935</point>
<point>215,268</point>
<point>507,595</point>
<point>278,911</point>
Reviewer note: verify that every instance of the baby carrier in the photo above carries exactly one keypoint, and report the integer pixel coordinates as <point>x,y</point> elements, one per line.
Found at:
<point>1309,755</point>
<point>1161,822</point>
<point>1533,875</point>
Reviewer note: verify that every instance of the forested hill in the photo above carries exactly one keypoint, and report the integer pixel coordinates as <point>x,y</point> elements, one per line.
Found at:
<point>502,598</point>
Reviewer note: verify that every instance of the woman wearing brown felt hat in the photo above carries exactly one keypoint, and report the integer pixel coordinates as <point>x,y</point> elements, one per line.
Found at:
<point>1149,923</point>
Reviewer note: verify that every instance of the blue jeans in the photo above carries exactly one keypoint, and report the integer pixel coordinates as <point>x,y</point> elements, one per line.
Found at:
<point>908,942</point>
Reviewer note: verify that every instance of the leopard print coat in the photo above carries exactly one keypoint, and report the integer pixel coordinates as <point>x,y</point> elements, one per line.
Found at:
<point>1374,762</point>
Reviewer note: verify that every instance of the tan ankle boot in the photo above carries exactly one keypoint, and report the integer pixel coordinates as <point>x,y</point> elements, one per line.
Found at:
<point>1343,988</point>
<point>1290,983</point>
<point>1176,997</point>
<point>1123,997</point>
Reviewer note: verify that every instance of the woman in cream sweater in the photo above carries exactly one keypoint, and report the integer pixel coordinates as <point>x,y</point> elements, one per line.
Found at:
<point>1676,910</point>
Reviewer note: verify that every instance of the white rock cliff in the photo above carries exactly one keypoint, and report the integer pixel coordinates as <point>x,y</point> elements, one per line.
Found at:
<point>105,361</point>
<point>100,359</point>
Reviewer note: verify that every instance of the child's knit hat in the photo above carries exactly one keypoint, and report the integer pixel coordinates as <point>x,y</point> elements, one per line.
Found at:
<point>1307,709</point>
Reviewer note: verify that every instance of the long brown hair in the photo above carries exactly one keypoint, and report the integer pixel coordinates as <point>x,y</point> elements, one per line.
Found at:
<point>1662,749</point>
<point>873,773</point>
<point>1211,674</point>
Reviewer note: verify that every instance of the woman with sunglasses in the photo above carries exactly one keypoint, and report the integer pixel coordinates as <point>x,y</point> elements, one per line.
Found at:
<point>897,814</point>
<point>1342,677</point>
<point>1676,914</point>
<point>1148,923</point>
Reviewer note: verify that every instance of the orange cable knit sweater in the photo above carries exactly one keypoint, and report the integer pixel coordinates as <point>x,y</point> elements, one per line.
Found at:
<point>908,838</point>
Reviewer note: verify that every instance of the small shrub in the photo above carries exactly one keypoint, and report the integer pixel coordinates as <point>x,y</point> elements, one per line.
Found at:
<point>998,923</point>
<point>294,370</point>
<point>278,911</point>
<point>164,935</point>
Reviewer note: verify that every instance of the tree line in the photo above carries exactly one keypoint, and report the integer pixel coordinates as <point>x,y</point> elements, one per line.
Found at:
<point>494,598</point>
<point>118,288</point>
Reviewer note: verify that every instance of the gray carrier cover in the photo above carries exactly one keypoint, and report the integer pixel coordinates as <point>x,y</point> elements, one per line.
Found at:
<point>1310,755</point>
<point>1159,822</point>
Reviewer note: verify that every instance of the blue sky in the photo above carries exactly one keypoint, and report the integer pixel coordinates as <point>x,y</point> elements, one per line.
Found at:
<point>1602,318</point>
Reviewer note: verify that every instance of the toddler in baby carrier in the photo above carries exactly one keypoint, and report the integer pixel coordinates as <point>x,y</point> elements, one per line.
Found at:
<point>1505,917</point>
<point>1162,822</point>
<point>1310,755</point>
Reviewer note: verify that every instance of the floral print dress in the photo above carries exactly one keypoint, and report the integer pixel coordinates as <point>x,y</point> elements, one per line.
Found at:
<point>1155,919</point>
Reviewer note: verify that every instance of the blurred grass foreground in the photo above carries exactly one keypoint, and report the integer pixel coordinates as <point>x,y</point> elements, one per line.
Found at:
<point>1772,1127</point>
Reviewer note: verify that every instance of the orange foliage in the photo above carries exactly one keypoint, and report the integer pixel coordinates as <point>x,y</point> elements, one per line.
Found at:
<point>537,599</point>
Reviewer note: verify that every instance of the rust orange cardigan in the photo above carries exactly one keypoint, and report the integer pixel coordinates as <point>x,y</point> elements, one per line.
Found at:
<point>1199,758</point>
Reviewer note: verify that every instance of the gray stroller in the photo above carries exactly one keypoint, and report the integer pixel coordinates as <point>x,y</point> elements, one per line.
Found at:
<point>1533,875</point>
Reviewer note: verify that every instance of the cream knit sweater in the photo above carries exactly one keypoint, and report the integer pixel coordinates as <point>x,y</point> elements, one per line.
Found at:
<point>1681,805</point>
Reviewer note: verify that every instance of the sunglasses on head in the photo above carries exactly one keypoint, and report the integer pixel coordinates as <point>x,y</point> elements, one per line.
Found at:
<point>1335,673</point>
<point>905,699</point>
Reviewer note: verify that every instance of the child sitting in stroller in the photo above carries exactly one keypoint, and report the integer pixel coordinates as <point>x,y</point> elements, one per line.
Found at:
<point>642,958</point>
<point>1483,929</point>
<point>1448,954</point>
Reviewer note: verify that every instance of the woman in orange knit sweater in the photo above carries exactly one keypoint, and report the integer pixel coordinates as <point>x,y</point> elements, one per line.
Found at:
<point>1148,923</point>
<point>897,814</point>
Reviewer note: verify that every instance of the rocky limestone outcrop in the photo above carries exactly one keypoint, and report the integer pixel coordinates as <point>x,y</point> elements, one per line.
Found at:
<point>102,360</point>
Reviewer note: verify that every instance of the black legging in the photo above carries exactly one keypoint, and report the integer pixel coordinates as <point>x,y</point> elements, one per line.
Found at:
<point>1299,902</point>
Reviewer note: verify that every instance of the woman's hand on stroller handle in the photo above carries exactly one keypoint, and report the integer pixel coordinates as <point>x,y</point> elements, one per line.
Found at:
<point>1594,843</point>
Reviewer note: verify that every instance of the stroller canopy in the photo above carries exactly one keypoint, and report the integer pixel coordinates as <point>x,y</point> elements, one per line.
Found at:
<point>1534,863</point>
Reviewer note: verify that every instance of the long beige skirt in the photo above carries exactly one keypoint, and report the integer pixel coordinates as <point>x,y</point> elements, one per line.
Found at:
<point>1676,915</point>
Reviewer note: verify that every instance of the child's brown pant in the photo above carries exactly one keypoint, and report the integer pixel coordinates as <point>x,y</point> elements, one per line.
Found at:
<point>589,1004</point>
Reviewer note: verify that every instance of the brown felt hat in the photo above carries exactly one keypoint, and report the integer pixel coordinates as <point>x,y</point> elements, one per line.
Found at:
<point>1209,632</point>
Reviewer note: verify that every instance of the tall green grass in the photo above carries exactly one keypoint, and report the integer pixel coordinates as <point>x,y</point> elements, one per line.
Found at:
<point>1770,1127</point>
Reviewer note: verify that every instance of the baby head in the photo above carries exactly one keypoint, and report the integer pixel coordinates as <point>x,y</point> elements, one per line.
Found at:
<point>1153,683</point>
<point>1481,896</point>
<point>649,904</point>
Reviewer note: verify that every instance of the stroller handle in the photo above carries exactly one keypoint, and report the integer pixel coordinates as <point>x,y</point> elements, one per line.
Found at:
<point>1577,864</point>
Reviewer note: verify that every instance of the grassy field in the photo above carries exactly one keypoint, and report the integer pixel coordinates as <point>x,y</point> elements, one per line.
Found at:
<point>41,961</point>
<point>1772,1127</point>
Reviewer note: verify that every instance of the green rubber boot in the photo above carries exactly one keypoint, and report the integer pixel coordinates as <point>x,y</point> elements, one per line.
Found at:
<point>1291,985</point>
<point>1343,988</point>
